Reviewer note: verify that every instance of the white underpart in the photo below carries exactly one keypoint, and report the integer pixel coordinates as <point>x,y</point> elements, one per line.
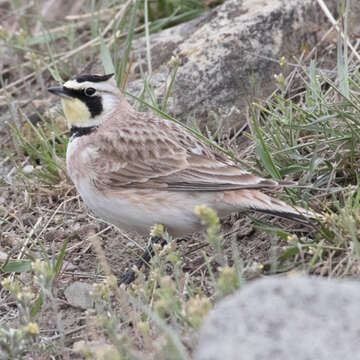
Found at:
<point>70,150</point>
<point>122,212</point>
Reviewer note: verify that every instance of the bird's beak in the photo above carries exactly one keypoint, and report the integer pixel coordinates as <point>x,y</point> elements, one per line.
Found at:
<point>58,90</point>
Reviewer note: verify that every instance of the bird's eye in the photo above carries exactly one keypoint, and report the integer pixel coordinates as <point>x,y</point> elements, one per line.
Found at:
<point>90,91</point>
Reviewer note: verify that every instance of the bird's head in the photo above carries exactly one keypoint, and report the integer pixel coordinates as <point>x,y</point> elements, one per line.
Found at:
<point>88,99</point>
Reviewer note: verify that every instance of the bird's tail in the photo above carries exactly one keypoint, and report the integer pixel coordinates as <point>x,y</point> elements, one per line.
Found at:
<point>258,201</point>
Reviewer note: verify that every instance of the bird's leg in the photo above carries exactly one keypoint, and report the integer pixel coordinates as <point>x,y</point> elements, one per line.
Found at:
<point>130,274</point>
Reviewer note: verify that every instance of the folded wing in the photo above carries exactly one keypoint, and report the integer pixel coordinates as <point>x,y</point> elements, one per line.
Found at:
<point>164,156</point>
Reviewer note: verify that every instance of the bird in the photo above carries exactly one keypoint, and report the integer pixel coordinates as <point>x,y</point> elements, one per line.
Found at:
<point>134,169</point>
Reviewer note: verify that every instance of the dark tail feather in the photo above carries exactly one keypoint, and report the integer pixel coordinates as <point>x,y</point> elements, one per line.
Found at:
<point>298,217</point>
<point>263,203</point>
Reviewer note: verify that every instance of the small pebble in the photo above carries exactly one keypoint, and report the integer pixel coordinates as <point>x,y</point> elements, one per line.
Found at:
<point>28,169</point>
<point>78,295</point>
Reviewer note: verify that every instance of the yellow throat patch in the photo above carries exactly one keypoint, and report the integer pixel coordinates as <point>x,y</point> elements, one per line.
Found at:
<point>76,112</point>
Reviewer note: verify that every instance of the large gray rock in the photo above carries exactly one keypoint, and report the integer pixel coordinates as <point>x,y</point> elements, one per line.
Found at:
<point>230,53</point>
<point>285,318</point>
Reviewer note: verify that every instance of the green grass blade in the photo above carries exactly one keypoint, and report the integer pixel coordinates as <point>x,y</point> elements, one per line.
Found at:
<point>264,154</point>
<point>106,58</point>
<point>17,266</point>
<point>121,73</point>
<point>60,258</point>
<point>36,306</point>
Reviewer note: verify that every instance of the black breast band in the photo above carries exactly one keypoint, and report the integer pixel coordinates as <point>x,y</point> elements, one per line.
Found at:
<point>77,131</point>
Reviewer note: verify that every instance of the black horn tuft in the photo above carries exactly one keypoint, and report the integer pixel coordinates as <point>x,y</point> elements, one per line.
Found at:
<point>92,78</point>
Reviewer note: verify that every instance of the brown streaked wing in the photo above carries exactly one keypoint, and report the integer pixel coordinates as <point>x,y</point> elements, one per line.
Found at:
<point>155,153</point>
<point>213,175</point>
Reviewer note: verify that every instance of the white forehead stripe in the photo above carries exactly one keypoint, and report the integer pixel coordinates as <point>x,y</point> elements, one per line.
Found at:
<point>73,84</point>
<point>103,85</point>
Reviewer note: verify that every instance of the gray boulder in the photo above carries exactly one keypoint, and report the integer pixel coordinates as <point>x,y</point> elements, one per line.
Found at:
<point>285,318</point>
<point>230,54</point>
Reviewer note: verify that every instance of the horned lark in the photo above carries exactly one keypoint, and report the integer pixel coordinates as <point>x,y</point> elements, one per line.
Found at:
<point>135,170</point>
